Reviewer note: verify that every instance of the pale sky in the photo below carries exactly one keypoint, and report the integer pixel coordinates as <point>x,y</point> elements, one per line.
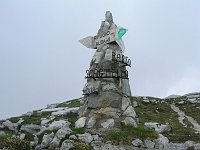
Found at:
<point>42,62</point>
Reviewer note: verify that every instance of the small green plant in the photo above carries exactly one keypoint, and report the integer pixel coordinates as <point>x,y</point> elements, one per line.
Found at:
<point>13,143</point>
<point>127,133</point>
<point>78,130</point>
<point>81,146</point>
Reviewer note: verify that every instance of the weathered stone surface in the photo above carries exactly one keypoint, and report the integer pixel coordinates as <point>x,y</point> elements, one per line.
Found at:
<point>107,112</point>
<point>108,55</point>
<point>2,133</point>
<point>31,128</point>
<point>59,124</point>
<point>67,145</point>
<point>129,112</point>
<point>97,57</point>
<point>126,87</point>
<point>130,121</point>
<point>91,122</point>
<point>125,103</point>
<point>80,123</point>
<point>22,136</point>
<point>149,144</point>
<point>65,111</point>
<point>105,99</point>
<point>162,143</point>
<point>60,134</point>
<point>86,137</point>
<point>109,86</point>
<point>73,137</point>
<point>160,128</point>
<point>12,126</point>
<point>109,123</point>
<point>47,140</point>
<point>137,143</point>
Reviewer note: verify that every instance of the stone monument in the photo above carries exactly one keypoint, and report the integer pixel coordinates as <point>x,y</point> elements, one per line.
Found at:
<point>106,102</point>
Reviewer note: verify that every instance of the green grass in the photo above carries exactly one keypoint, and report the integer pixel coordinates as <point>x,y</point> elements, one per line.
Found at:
<point>162,113</point>
<point>13,144</point>
<point>128,133</point>
<point>70,104</point>
<point>81,146</point>
<point>78,130</point>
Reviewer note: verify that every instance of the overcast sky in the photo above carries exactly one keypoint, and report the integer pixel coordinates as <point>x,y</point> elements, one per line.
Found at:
<point>42,62</point>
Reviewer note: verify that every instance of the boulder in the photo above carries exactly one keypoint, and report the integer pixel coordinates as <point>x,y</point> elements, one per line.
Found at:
<point>65,111</point>
<point>31,128</point>
<point>129,112</point>
<point>86,137</point>
<point>149,144</point>
<point>59,124</point>
<point>2,133</point>
<point>130,121</point>
<point>137,143</point>
<point>61,133</point>
<point>160,128</point>
<point>91,122</point>
<point>73,137</point>
<point>47,140</point>
<point>125,103</point>
<point>109,123</point>
<point>80,123</point>
<point>66,145</point>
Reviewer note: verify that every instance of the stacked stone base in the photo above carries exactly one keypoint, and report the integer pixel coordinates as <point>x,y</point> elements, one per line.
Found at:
<point>106,111</point>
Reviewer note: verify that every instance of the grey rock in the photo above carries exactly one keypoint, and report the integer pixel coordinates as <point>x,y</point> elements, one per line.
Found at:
<point>73,137</point>
<point>86,137</point>
<point>95,137</point>
<point>149,144</point>
<point>67,145</point>
<point>137,143</point>
<point>129,112</point>
<point>65,111</point>
<point>109,123</point>
<point>130,121</point>
<point>135,104</point>
<point>162,143</point>
<point>160,128</point>
<point>97,57</point>
<point>61,133</point>
<point>2,133</point>
<point>108,55</point>
<point>47,140</point>
<point>109,86</point>
<point>22,136</point>
<point>80,123</point>
<point>125,103</point>
<point>12,126</point>
<point>31,128</point>
<point>59,124</point>
<point>126,87</point>
<point>91,122</point>
<point>105,99</point>
<point>108,112</point>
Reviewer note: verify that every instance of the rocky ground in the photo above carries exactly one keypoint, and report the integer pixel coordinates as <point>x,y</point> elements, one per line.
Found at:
<point>171,123</point>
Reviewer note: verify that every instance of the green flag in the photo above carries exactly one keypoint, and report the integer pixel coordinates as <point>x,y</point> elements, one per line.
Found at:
<point>121,32</point>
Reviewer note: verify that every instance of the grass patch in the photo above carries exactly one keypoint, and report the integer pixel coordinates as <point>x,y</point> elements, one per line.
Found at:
<point>70,104</point>
<point>162,113</point>
<point>78,130</point>
<point>81,146</point>
<point>13,144</point>
<point>35,118</point>
<point>128,133</point>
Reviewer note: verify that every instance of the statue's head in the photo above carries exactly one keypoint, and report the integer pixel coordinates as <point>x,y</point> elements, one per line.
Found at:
<point>109,17</point>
